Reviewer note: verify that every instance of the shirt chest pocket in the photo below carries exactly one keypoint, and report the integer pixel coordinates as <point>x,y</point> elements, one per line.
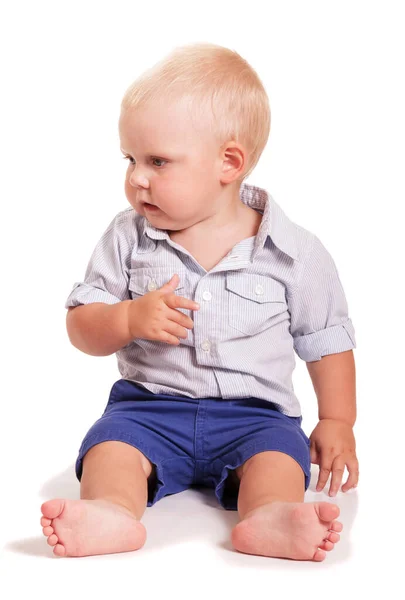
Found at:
<point>146,279</point>
<point>254,301</point>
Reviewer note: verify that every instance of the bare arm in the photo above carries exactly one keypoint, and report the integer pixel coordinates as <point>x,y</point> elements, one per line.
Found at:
<point>99,329</point>
<point>334,381</point>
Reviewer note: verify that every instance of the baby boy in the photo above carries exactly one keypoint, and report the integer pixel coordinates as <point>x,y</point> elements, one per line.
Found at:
<point>204,288</point>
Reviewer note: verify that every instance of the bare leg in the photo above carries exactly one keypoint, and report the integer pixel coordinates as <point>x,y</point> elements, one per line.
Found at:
<point>275,521</point>
<point>113,492</point>
<point>117,472</point>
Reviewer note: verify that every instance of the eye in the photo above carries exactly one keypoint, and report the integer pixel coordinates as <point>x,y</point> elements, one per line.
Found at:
<point>126,157</point>
<point>160,160</point>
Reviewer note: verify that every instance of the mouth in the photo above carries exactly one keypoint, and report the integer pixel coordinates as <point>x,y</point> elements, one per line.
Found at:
<point>151,207</point>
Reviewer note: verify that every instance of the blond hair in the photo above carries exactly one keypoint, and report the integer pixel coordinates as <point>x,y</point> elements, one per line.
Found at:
<point>221,88</point>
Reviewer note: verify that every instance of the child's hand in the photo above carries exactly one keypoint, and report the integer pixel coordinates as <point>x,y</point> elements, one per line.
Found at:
<point>154,315</point>
<point>332,447</point>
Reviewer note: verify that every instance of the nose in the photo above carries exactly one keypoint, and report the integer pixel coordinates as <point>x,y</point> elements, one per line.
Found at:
<point>138,180</point>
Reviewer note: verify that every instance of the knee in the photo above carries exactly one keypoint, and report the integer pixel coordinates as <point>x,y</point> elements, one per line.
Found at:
<point>243,467</point>
<point>270,456</point>
<point>121,453</point>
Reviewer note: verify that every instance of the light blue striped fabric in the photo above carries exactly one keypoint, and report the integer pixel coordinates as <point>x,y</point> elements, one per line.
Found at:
<point>272,294</point>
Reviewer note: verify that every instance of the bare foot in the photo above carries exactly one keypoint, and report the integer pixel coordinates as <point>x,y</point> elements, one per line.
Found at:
<point>86,527</point>
<point>289,530</point>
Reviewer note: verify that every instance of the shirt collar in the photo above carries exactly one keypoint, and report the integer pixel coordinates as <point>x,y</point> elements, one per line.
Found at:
<point>275,223</point>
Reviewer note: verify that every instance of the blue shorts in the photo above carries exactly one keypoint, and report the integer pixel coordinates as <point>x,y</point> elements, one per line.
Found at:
<point>195,441</point>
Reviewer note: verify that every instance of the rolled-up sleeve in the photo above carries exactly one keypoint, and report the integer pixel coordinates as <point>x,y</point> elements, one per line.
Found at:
<point>320,323</point>
<point>107,274</point>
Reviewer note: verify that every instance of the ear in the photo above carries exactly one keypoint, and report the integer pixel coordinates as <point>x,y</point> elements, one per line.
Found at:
<point>233,161</point>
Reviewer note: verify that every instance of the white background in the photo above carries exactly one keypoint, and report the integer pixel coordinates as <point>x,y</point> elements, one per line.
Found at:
<point>334,73</point>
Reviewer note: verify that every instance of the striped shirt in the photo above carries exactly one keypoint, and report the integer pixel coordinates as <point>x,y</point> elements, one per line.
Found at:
<point>272,294</point>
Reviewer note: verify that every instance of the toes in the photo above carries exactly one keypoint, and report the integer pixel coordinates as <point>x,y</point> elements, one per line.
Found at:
<point>336,526</point>
<point>319,555</point>
<point>327,545</point>
<point>45,522</point>
<point>47,531</point>
<point>53,540</point>
<point>327,511</point>
<point>333,537</point>
<point>52,508</point>
<point>59,550</point>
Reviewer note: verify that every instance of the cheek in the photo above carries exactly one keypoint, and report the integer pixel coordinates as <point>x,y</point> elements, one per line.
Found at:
<point>128,186</point>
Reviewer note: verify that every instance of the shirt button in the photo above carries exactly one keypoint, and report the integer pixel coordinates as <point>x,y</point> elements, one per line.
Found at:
<point>152,286</point>
<point>206,345</point>
<point>207,295</point>
<point>259,290</point>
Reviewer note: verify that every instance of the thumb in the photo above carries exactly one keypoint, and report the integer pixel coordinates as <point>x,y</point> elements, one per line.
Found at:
<point>170,285</point>
<point>314,455</point>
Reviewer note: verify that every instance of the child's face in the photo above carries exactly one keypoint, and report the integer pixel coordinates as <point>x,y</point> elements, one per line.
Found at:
<point>170,165</point>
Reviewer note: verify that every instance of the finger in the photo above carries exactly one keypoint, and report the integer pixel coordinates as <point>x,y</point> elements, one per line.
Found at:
<point>175,330</point>
<point>180,318</point>
<point>324,471</point>
<point>174,301</point>
<point>169,338</point>
<point>338,468</point>
<point>170,285</point>
<point>353,479</point>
